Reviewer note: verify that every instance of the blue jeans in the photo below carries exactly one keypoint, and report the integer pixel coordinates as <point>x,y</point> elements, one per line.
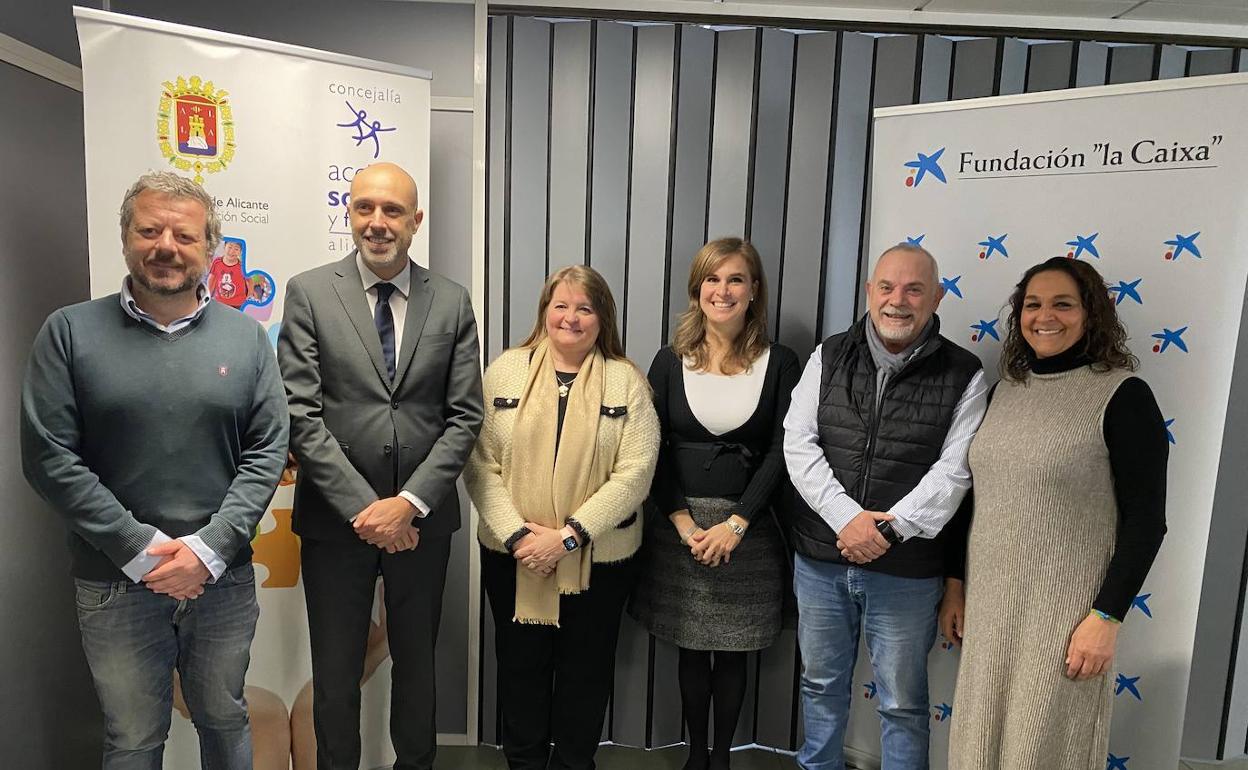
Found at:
<point>898,616</point>
<point>134,639</point>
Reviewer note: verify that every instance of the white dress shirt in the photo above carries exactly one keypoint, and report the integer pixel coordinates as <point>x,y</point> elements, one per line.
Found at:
<point>927,507</point>
<point>142,564</point>
<point>398,307</point>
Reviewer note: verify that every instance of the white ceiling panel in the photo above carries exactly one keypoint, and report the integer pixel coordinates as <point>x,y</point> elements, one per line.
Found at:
<point>875,5</point>
<point>1095,9</point>
<point>1242,4</point>
<point>1171,11</point>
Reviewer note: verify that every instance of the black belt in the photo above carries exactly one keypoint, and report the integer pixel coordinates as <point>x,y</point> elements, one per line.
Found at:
<point>717,448</point>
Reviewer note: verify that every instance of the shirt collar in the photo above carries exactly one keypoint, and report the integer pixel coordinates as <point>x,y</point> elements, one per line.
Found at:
<point>133,310</point>
<point>402,281</point>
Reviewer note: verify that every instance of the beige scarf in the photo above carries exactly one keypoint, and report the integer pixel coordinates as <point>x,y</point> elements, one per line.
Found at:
<point>546,489</point>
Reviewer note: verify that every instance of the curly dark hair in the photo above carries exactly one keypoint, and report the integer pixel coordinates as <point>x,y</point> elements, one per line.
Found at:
<point>1104,337</point>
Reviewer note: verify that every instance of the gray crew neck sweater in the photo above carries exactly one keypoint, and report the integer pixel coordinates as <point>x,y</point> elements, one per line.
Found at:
<point>126,430</point>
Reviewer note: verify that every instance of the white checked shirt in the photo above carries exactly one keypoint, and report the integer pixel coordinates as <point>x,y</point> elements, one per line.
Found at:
<point>927,507</point>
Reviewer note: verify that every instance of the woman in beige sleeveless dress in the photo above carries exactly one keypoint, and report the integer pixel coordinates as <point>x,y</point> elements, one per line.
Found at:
<point>1069,472</point>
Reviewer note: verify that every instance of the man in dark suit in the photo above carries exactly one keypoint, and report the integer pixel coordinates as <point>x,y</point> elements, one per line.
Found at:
<point>380,361</point>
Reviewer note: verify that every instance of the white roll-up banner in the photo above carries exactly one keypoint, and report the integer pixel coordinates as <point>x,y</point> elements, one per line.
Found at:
<point>275,133</point>
<point>1146,182</point>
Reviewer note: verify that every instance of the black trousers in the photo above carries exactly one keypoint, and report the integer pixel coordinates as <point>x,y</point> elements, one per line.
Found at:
<point>339,582</point>
<point>554,682</point>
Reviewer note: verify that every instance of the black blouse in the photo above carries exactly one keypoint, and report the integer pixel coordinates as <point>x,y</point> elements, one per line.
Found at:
<point>1138,446</point>
<point>745,464</point>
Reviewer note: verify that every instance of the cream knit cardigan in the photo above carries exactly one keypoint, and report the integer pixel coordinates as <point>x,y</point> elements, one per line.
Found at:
<point>631,439</point>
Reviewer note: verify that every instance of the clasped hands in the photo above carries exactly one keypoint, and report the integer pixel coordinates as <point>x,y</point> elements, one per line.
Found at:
<point>179,574</point>
<point>859,541</point>
<point>387,524</point>
<point>710,547</point>
<point>542,548</point>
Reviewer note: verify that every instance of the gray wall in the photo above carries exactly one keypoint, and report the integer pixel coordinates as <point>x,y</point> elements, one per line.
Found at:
<point>43,219</point>
<point>49,219</point>
<point>626,146</point>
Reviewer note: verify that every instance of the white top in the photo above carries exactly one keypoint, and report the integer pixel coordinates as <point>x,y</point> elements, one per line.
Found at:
<point>723,402</point>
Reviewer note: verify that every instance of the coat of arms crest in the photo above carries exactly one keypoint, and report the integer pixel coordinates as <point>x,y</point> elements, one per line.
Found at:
<point>195,126</point>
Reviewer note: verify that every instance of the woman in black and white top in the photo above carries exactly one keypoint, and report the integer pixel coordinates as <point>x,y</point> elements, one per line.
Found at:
<point>714,563</point>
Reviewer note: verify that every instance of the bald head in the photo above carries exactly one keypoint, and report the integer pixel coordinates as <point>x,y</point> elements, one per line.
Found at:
<point>385,215</point>
<point>391,173</point>
<point>903,294</point>
<point>918,253</point>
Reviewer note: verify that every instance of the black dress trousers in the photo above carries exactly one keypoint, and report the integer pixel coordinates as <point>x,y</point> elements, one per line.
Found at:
<point>339,582</point>
<point>554,681</point>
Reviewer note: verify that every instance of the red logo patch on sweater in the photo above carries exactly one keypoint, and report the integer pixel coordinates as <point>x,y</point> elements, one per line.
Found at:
<point>223,370</point>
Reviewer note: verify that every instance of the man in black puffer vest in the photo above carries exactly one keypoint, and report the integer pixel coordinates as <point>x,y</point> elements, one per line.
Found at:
<point>876,441</point>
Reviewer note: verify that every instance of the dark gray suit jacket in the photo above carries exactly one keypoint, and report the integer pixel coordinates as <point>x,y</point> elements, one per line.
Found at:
<point>357,436</point>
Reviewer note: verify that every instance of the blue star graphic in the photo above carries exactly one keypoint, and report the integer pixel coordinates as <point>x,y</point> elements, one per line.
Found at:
<point>1141,603</point>
<point>1182,243</point>
<point>869,690</point>
<point>916,240</point>
<point>928,164</point>
<point>1169,433</point>
<point>1126,290</point>
<point>996,245</point>
<point>1116,763</point>
<point>1170,337</point>
<point>987,329</point>
<point>1127,683</point>
<point>943,712</point>
<point>950,285</point>
<point>1084,243</point>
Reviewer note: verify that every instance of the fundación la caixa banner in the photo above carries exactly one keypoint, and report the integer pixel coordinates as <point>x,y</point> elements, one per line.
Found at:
<point>274,133</point>
<point>1145,181</point>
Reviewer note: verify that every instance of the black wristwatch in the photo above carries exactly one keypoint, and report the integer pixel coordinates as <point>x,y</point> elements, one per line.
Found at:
<point>570,544</point>
<point>885,528</point>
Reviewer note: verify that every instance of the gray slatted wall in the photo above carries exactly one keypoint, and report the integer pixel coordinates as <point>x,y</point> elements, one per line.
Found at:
<point>626,145</point>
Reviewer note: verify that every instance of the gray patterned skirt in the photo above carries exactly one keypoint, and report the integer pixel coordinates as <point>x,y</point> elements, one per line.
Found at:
<point>735,607</point>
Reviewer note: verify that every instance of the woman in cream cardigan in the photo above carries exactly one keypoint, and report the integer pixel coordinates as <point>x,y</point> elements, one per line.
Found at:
<point>564,460</point>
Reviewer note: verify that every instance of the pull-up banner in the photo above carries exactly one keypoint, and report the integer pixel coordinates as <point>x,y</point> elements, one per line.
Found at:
<point>1144,181</point>
<point>275,133</point>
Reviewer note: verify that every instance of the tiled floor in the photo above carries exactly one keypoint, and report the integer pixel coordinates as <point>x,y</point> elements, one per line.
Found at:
<point>1235,764</point>
<point>611,758</point>
<point>619,758</point>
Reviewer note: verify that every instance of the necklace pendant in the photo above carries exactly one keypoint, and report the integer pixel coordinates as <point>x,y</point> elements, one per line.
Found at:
<point>563,390</point>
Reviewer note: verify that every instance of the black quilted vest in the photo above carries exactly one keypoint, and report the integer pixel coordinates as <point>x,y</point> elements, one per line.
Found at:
<point>879,459</point>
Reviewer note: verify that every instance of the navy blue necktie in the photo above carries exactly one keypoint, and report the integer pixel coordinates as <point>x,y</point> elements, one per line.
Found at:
<point>383,319</point>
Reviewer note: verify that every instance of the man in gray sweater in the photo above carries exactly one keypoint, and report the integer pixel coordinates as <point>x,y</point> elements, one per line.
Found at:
<point>155,423</point>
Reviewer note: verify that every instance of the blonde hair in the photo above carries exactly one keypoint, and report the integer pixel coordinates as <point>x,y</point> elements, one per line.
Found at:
<point>599,293</point>
<point>689,339</point>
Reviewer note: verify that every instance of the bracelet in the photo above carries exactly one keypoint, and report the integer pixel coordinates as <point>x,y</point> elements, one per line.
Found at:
<point>736,528</point>
<point>1105,616</point>
<point>684,536</point>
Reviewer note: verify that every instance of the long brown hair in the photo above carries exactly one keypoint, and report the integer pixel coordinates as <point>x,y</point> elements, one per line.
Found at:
<point>689,340</point>
<point>599,293</point>
<point>1104,337</point>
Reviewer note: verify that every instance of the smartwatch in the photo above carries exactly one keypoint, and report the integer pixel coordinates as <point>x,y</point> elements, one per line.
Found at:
<point>570,544</point>
<point>885,528</point>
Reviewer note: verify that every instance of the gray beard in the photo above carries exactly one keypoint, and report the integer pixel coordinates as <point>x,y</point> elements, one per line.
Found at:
<point>166,291</point>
